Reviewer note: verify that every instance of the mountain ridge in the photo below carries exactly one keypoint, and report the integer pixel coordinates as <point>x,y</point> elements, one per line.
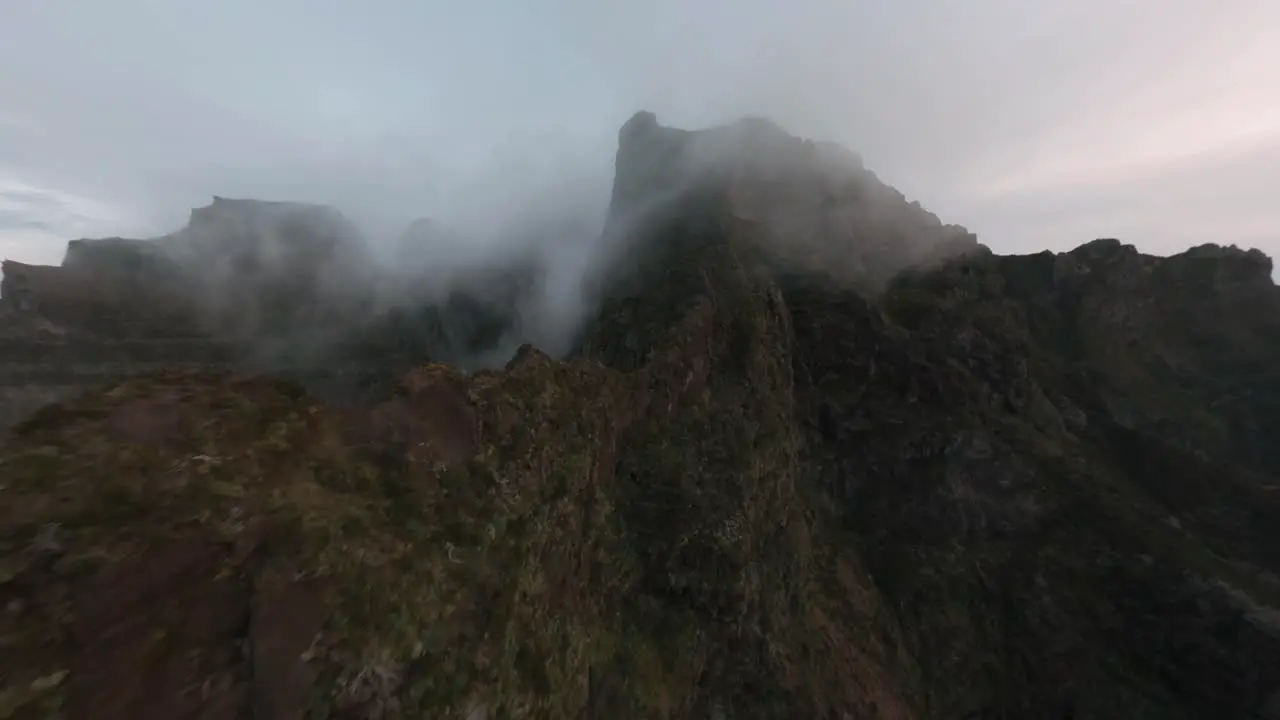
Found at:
<point>777,477</point>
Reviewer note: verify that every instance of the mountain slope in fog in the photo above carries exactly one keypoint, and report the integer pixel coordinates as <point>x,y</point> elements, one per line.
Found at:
<point>803,462</point>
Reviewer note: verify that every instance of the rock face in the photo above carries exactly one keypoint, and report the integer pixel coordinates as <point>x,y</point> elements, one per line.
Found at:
<point>1003,487</point>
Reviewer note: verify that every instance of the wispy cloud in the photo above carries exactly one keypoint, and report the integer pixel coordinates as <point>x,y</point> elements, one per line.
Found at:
<point>1193,91</point>
<point>36,222</point>
<point>998,114</point>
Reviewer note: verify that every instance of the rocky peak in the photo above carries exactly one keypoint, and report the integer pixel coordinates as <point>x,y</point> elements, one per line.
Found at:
<point>104,288</point>
<point>636,128</point>
<point>818,207</point>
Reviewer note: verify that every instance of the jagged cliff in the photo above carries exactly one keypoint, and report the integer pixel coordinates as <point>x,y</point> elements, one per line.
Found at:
<point>780,477</point>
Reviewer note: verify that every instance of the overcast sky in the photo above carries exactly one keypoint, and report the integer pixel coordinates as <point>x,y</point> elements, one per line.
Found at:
<point>1037,124</point>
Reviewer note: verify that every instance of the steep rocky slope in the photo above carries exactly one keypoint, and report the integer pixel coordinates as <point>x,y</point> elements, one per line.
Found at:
<point>779,478</point>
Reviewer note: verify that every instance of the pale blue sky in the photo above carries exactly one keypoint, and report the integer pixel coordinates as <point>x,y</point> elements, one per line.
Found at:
<point>1036,124</point>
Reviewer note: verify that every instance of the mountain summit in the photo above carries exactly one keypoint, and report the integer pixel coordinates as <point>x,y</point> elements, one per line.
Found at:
<point>817,455</point>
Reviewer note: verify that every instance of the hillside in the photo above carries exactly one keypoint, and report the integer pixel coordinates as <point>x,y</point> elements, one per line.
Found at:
<point>818,455</point>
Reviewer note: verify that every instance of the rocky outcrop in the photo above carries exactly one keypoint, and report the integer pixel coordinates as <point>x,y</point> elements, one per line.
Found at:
<point>1029,486</point>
